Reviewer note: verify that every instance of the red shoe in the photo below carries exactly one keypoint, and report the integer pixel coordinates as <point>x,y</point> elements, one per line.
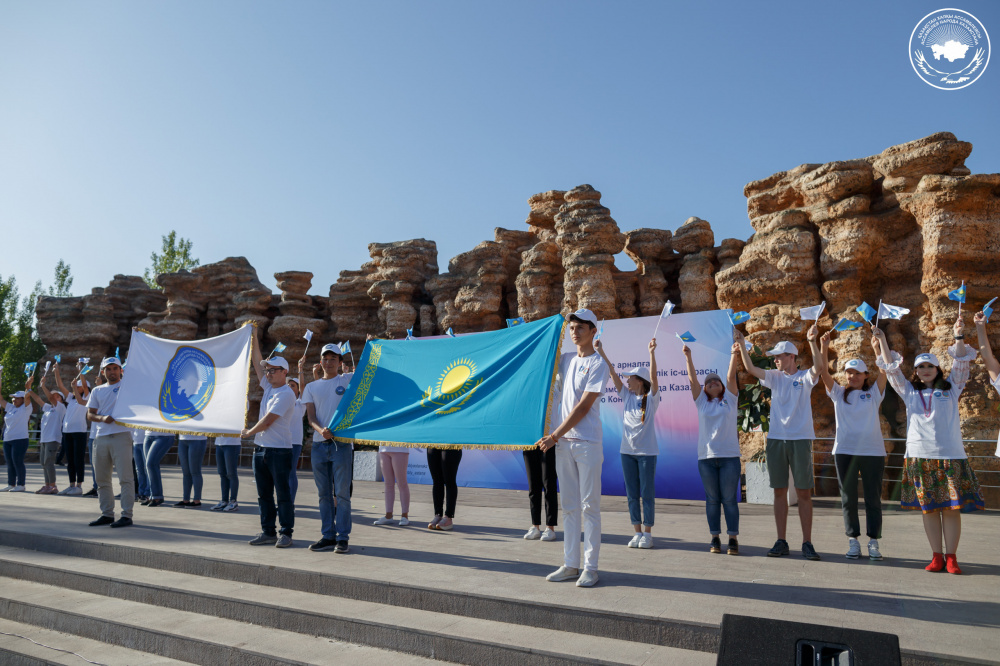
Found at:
<point>952,564</point>
<point>937,564</point>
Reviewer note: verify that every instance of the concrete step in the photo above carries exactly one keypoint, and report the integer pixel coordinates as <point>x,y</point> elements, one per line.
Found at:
<point>589,622</point>
<point>28,645</point>
<point>424,633</point>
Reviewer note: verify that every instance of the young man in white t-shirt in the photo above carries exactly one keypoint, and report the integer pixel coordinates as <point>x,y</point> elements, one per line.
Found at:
<point>332,461</point>
<point>580,450</point>
<point>112,448</point>
<point>272,455</point>
<point>790,435</point>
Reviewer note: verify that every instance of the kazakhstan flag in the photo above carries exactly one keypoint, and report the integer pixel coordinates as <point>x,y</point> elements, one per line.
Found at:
<point>488,391</point>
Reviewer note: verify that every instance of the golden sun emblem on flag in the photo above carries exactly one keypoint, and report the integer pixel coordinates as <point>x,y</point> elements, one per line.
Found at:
<point>457,382</point>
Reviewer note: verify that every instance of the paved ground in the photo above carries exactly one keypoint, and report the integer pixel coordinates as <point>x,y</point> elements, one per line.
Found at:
<point>677,579</point>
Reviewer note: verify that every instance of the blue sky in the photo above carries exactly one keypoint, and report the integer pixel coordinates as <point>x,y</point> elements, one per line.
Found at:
<point>296,133</point>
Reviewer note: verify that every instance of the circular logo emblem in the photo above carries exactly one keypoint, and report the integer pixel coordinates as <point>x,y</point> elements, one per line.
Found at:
<point>949,49</point>
<point>340,390</point>
<point>188,385</point>
<point>937,394</point>
<point>796,383</point>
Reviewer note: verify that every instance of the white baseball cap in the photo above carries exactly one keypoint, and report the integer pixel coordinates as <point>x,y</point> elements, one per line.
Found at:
<point>110,360</point>
<point>856,364</point>
<point>331,348</point>
<point>926,358</point>
<point>19,394</point>
<point>275,361</point>
<point>783,347</point>
<point>585,315</point>
<point>59,393</point>
<point>710,376</point>
<point>640,372</point>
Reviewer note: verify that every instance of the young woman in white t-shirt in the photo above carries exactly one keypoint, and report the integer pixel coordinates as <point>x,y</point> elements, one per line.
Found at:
<point>718,448</point>
<point>641,396</point>
<point>17,413</point>
<point>992,365</point>
<point>859,448</point>
<point>937,477</point>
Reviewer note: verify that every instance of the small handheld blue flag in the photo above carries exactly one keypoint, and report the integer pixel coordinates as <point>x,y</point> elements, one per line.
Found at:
<point>685,336</point>
<point>450,332</point>
<point>515,322</point>
<point>958,294</point>
<point>739,317</point>
<point>409,334</point>
<point>29,369</point>
<point>58,358</point>
<point>86,369</point>
<point>345,348</point>
<point>846,325</point>
<point>278,348</point>
<point>867,311</point>
<point>813,313</point>
<point>988,310</point>
<point>117,355</point>
<point>600,332</point>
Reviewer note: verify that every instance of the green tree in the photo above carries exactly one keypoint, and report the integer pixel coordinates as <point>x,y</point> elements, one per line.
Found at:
<point>755,399</point>
<point>63,281</point>
<point>176,256</point>
<point>19,343</point>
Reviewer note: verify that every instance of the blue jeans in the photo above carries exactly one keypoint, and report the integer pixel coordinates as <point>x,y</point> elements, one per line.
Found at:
<point>721,478</point>
<point>191,453</point>
<point>142,478</point>
<point>640,482</point>
<point>293,478</point>
<point>333,470</point>
<point>270,471</point>
<point>227,460</point>
<point>154,448</point>
<point>14,451</point>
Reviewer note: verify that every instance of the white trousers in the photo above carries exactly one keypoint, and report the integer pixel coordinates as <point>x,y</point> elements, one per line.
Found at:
<point>578,466</point>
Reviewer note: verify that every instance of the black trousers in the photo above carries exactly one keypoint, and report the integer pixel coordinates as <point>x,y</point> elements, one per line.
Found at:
<point>75,444</point>
<point>443,466</point>
<point>870,468</point>
<point>541,470</point>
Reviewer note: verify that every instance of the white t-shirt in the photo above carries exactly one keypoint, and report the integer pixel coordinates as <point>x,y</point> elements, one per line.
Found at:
<point>104,398</point>
<point>933,426</point>
<point>791,408</point>
<point>859,432</point>
<point>280,401</point>
<point>93,427</point>
<point>191,438</point>
<point>583,374</point>
<point>52,420</point>
<point>75,419</point>
<point>996,385</point>
<point>298,425</point>
<point>138,436</point>
<point>325,396</point>
<point>717,436</point>
<point>15,421</point>
<point>228,441</point>
<point>638,434</point>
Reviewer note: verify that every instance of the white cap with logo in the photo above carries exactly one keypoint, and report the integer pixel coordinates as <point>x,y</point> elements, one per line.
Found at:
<point>585,315</point>
<point>926,358</point>
<point>783,347</point>
<point>275,361</point>
<point>856,364</point>
<point>110,360</point>
<point>331,348</point>
<point>640,372</point>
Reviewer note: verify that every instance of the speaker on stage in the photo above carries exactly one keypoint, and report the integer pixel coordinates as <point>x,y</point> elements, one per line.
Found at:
<point>751,641</point>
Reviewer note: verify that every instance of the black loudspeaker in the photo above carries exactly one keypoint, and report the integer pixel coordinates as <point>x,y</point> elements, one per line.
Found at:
<point>751,641</point>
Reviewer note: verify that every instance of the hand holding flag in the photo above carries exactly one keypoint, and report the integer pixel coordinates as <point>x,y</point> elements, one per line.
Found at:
<point>813,313</point>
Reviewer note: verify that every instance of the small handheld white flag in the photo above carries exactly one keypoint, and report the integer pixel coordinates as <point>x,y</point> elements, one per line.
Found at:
<point>48,364</point>
<point>667,311</point>
<point>308,335</point>
<point>813,313</point>
<point>891,311</point>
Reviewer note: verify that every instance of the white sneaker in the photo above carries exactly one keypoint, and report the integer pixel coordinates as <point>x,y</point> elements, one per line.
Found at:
<point>220,506</point>
<point>646,541</point>
<point>75,490</point>
<point>634,543</point>
<point>384,521</point>
<point>588,579</point>
<point>533,533</point>
<point>17,489</point>
<point>7,489</point>
<point>873,552</point>
<point>548,535</point>
<point>65,491</point>
<point>853,549</point>
<point>232,506</point>
<point>404,521</point>
<point>563,573</point>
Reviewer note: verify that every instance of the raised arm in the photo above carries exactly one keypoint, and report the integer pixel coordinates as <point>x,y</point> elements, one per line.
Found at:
<point>821,361</point>
<point>255,356</point>
<point>302,374</point>
<point>963,356</point>
<point>59,382</point>
<point>732,379</point>
<point>692,372</point>
<point>77,387</point>
<point>812,337</point>
<point>3,403</point>
<point>992,365</point>
<point>959,330</point>
<point>45,390</point>
<point>881,379</point>
<point>654,381</point>
<point>759,373</point>
<point>889,361</point>
<point>611,367</point>
<point>28,393</point>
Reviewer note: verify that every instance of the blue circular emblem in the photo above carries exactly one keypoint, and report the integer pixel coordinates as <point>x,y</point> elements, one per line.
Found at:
<point>949,49</point>
<point>188,385</point>
<point>340,390</point>
<point>937,394</point>
<point>796,383</point>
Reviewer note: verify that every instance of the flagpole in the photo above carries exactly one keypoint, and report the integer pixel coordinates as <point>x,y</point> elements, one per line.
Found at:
<point>960,302</point>
<point>658,320</point>
<point>878,312</point>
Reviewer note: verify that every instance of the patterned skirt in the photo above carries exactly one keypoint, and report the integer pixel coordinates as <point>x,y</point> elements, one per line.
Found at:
<point>938,485</point>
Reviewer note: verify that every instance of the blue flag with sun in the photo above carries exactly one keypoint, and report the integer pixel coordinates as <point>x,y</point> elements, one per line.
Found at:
<point>489,390</point>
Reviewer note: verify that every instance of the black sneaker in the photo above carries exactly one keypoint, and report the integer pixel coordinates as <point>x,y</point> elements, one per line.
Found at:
<point>734,546</point>
<point>716,545</point>
<point>91,493</point>
<point>124,521</point>
<point>264,540</point>
<point>103,520</point>
<point>341,547</point>
<point>323,545</point>
<point>146,501</point>
<point>808,551</point>
<point>779,549</point>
